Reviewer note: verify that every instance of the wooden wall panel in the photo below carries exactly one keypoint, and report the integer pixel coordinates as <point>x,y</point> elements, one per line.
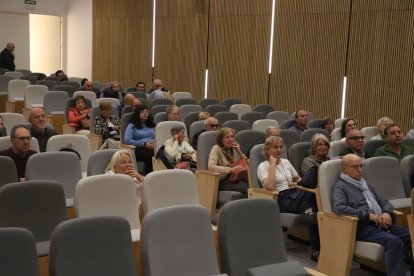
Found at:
<point>381,71</point>
<point>239,49</point>
<point>181,45</point>
<point>309,57</point>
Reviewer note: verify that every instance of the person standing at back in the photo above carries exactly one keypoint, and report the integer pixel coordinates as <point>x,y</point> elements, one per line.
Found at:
<point>7,57</point>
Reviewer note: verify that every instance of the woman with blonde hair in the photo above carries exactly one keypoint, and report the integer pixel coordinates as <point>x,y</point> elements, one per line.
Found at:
<point>122,162</point>
<point>319,147</point>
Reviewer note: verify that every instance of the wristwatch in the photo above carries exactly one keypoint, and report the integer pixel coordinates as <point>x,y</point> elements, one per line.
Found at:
<point>145,144</point>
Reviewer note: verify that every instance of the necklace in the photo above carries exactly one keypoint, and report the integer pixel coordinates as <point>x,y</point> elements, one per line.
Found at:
<point>284,173</point>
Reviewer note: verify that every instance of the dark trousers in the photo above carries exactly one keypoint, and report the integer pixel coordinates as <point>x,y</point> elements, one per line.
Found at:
<point>395,241</point>
<point>226,185</point>
<point>145,155</point>
<point>297,202</point>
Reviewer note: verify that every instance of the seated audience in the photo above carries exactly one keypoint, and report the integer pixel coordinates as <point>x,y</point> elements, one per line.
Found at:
<point>173,113</point>
<point>347,125</point>
<point>356,144</point>
<point>203,115</point>
<point>210,124</point>
<point>177,148</point>
<point>272,131</point>
<point>107,125</point>
<point>141,87</point>
<point>393,137</point>
<point>328,124</point>
<point>278,174</point>
<point>79,116</point>
<point>3,131</point>
<point>157,90</point>
<point>301,117</point>
<point>122,163</point>
<point>354,196</point>
<point>222,159</point>
<point>88,86</point>
<point>60,76</point>
<point>20,150</point>
<point>39,129</point>
<point>128,99</point>
<point>319,146</point>
<point>114,91</point>
<point>381,125</point>
<point>140,133</point>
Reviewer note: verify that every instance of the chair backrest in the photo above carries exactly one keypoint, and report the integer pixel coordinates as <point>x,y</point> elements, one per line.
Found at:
<point>369,132</point>
<point>31,79</point>
<point>208,101</point>
<point>139,95</point>
<point>163,132</point>
<point>59,166</point>
<point>107,195</point>
<point>315,123</point>
<point>158,108</point>
<point>297,153</point>
<point>14,74</point>
<point>336,134</point>
<point>35,205</point>
<point>383,173</point>
<point>88,95</point>
<point>168,188</point>
<point>237,125</point>
<point>160,117</point>
<point>206,141</point>
<point>98,84</point>
<point>160,101</point>
<point>24,71</point>
<point>263,124</point>
<point>5,143</point>
<point>250,220</point>
<point>66,88</point>
<point>264,108</point>
<point>257,156</point>
<point>407,173</point>
<point>286,124</point>
<point>9,172</point>
<point>125,119</point>
<point>214,108</point>
<point>230,101</point>
<point>240,109</point>
<point>12,119</point>
<point>338,122</point>
<point>16,89</point>
<point>307,134</point>
<point>92,246</point>
<point>194,128</point>
<point>4,83</point>
<point>181,239</point>
<point>328,174</point>
<point>247,139</point>
<point>290,137</point>
<point>112,101</point>
<point>74,84</point>
<point>48,83</point>
<point>372,145</point>
<point>182,95</point>
<point>190,118</point>
<point>55,102</point>
<point>77,142</point>
<point>252,117</point>
<point>279,116</point>
<point>34,94</point>
<point>126,109</point>
<point>223,116</point>
<point>18,252</point>
<point>78,80</point>
<point>409,142</point>
<point>336,148</point>
<point>187,108</point>
<point>183,101</point>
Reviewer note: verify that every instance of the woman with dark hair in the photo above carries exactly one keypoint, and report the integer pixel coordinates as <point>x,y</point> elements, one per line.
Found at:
<point>79,115</point>
<point>328,124</point>
<point>140,133</point>
<point>347,125</point>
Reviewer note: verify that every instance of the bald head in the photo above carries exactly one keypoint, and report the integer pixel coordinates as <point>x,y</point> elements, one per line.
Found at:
<point>352,166</point>
<point>211,123</point>
<point>157,84</point>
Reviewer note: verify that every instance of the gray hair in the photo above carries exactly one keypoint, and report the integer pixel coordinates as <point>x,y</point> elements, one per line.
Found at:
<point>314,141</point>
<point>268,129</point>
<point>115,159</point>
<point>176,129</point>
<point>384,120</point>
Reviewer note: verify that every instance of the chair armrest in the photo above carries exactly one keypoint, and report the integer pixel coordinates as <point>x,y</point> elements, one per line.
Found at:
<point>67,129</point>
<point>127,147</point>
<point>262,193</point>
<point>314,272</point>
<point>208,183</point>
<point>397,213</point>
<point>337,234</point>
<point>410,222</point>
<point>96,141</point>
<point>306,189</point>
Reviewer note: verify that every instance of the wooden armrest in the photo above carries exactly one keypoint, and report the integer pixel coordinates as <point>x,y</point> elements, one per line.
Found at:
<point>67,129</point>
<point>262,193</point>
<point>398,213</point>
<point>96,141</point>
<point>335,216</point>
<point>306,189</point>
<point>208,172</point>
<point>208,183</point>
<point>314,272</point>
<point>128,147</point>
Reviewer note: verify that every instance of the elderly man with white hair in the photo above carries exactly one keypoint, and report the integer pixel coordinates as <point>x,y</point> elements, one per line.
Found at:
<point>382,125</point>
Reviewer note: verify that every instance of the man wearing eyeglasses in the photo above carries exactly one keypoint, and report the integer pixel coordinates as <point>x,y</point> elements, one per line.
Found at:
<point>353,196</point>
<point>356,143</point>
<point>20,150</point>
<point>210,124</point>
<point>393,137</point>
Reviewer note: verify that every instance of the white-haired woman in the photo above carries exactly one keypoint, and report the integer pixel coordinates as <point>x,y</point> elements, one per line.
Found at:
<point>319,146</point>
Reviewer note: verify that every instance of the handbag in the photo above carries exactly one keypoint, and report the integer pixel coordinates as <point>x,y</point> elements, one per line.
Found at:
<point>241,173</point>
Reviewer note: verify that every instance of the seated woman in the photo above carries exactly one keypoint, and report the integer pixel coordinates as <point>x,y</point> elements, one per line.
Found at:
<point>177,149</point>
<point>107,125</point>
<point>328,124</point>
<point>346,126</point>
<point>140,133</point>
<point>122,163</point>
<point>222,156</point>
<point>79,115</point>
<point>319,147</point>
<point>278,174</point>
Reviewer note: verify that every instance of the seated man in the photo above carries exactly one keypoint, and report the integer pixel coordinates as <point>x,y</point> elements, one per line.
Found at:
<point>88,86</point>
<point>356,143</point>
<point>210,124</point>
<point>301,117</point>
<point>272,131</point>
<point>157,90</point>
<point>353,196</point>
<point>38,129</point>
<point>393,138</point>
<point>20,150</point>
<point>381,125</point>
<point>128,99</point>
<point>141,87</point>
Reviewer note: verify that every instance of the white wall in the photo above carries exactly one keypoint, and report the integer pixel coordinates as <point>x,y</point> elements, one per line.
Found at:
<point>77,31</point>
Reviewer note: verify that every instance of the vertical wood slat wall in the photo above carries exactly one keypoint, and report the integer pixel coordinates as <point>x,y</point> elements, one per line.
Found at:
<point>310,52</point>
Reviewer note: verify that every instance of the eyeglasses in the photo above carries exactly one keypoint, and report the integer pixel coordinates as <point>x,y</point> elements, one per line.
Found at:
<point>357,138</point>
<point>23,138</point>
<point>355,167</point>
<point>213,125</point>
<point>126,163</point>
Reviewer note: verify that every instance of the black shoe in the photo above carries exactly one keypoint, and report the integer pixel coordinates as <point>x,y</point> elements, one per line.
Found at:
<point>314,255</point>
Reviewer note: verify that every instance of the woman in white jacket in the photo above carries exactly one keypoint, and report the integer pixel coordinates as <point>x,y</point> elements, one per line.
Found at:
<point>177,148</point>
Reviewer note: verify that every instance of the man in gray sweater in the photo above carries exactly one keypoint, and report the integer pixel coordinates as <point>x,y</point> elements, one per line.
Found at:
<point>353,196</point>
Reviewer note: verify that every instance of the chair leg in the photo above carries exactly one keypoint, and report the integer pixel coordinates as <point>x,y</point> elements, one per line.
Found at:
<point>44,265</point>
<point>138,260</point>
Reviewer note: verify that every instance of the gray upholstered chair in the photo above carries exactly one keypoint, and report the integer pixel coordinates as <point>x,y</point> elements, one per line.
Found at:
<point>183,101</point>
<point>224,116</point>
<point>307,134</point>
<point>237,125</point>
<point>407,173</point>
<point>369,131</point>
<point>215,108</point>
<point>247,139</point>
<point>240,109</point>
<point>290,137</point>
<point>279,116</point>
<point>263,124</point>
<point>336,148</point>
<point>253,116</point>
<point>372,145</point>
<point>208,101</point>
<point>264,108</point>
<point>187,108</point>
<point>230,101</point>
<point>66,88</point>
<point>297,153</point>
<point>9,172</point>
<point>286,124</point>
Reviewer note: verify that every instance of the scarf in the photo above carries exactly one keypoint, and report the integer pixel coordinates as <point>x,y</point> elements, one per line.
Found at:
<point>363,187</point>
